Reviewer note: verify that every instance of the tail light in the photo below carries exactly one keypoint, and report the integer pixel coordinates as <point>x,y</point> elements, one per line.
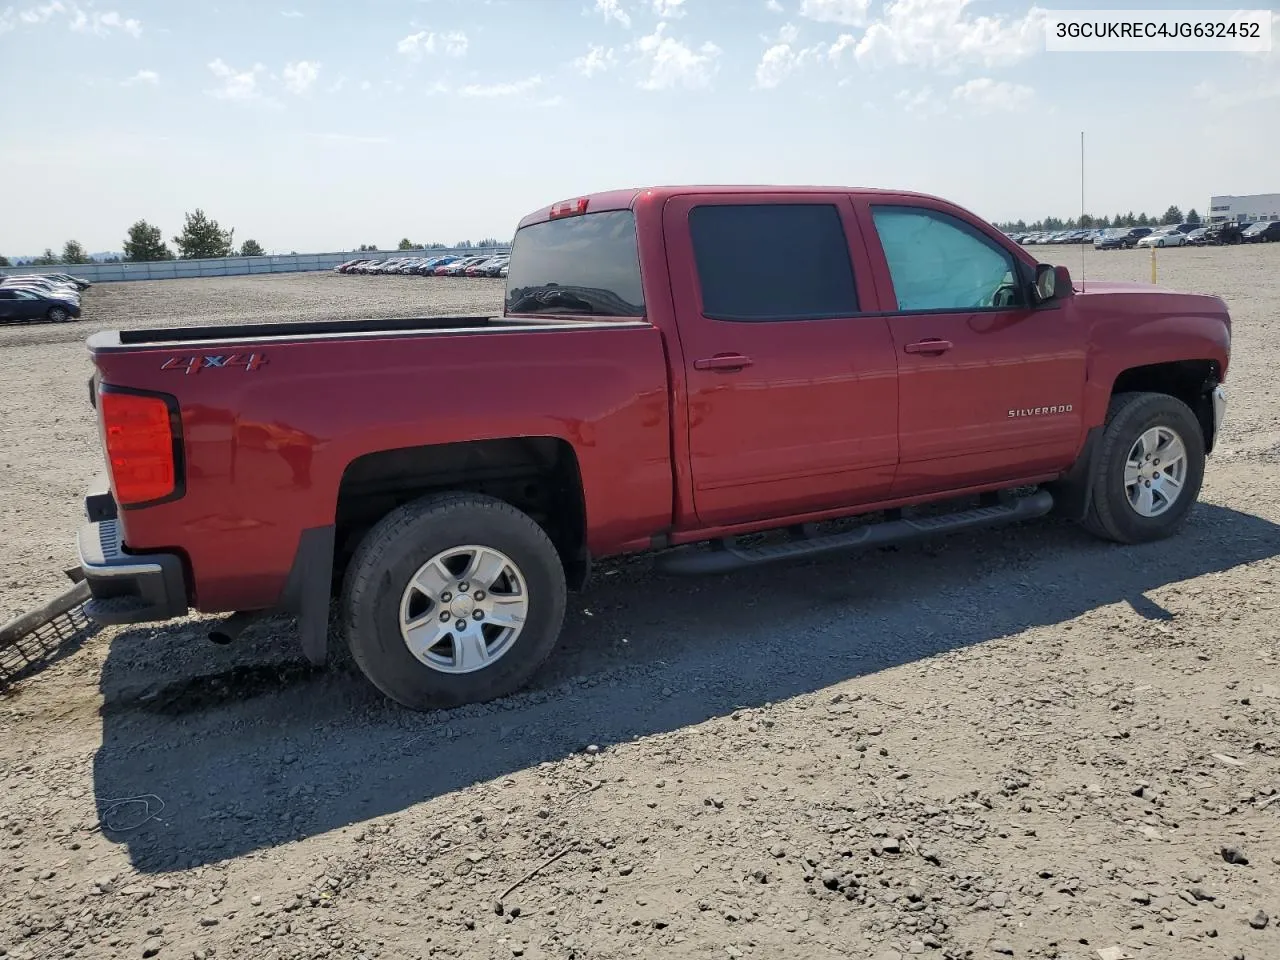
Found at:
<point>569,208</point>
<point>142,434</point>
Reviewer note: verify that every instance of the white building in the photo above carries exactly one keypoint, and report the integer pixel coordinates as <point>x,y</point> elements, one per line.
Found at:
<point>1259,206</point>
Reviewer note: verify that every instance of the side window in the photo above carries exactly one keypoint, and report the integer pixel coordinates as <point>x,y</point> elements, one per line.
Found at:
<point>772,261</point>
<point>938,262</point>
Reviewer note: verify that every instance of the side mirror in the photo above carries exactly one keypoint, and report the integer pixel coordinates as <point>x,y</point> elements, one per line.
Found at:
<point>1052,283</point>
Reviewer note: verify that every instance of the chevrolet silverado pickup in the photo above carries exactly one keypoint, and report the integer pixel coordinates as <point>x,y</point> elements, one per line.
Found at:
<point>729,376</point>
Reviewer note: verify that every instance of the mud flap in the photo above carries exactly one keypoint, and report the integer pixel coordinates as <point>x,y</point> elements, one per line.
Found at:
<point>1073,491</point>
<point>308,591</point>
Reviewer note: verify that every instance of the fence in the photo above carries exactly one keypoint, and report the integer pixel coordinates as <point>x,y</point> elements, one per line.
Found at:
<point>233,266</point>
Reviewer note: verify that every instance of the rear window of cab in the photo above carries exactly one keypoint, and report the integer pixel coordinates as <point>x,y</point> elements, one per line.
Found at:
<point>587,264</point>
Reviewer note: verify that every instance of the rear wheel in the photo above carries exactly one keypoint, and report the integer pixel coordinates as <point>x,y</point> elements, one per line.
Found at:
<point>1148,471</point>
<point>453,599</point>
<point>58,315</point>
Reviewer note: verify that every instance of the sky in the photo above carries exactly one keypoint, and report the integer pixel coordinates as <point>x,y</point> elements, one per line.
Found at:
<point>319,125</point>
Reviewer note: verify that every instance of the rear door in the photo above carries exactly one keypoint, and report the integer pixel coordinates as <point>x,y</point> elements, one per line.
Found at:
<point>990,388</point>
<point>792,388</point>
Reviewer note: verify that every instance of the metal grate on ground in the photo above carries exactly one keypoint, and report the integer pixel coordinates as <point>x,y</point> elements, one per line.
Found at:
<point>39,637</point>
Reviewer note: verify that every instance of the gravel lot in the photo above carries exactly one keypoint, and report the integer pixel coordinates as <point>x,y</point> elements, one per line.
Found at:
<point>1017,743</point>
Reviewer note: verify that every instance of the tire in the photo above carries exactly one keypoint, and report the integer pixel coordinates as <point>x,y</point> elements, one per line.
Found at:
<point>376,596</point>
<point>58,315</point>
<point>1130,416</point>
<point>1159,243</point>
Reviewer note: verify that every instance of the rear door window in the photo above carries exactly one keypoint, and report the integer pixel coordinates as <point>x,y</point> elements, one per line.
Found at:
<point>772,261</point>
<point>586,264</point>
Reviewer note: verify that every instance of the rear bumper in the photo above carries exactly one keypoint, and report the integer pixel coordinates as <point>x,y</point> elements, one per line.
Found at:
<point>126,587</point>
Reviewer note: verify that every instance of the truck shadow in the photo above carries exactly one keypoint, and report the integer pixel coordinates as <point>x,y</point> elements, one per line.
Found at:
<point>249,748</point>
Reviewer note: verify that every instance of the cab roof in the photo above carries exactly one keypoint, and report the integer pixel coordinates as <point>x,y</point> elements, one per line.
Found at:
<point>624,199</point>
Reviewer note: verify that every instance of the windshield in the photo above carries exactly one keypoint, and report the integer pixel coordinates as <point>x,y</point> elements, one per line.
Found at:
<point>584,264</point>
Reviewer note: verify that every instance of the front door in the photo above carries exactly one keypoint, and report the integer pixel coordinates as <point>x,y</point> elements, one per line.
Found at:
<point>792,390</point>
<point>990,388</point>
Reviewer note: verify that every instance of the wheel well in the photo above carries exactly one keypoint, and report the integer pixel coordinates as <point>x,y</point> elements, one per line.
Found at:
<point>538,475</point>
<point>1191,381</point>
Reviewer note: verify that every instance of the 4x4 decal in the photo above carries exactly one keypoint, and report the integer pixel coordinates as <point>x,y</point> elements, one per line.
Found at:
<point>194,364</point>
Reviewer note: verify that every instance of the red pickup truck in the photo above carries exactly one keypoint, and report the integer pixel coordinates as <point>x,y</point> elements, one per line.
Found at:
<point>674,369</point>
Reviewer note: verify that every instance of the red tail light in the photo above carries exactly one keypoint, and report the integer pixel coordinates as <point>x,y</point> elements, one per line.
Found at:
<point>141,435</point>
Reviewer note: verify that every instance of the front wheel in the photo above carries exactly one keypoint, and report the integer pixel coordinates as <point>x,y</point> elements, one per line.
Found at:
<point>453,599</point>
<point>1148,470</point>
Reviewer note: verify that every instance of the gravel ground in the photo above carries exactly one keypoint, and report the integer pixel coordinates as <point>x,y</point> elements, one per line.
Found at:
<point>1015,743</point>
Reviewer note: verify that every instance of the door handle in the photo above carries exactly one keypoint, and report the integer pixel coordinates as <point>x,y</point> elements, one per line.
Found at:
<point>723,361</point>
<point>928,346</point>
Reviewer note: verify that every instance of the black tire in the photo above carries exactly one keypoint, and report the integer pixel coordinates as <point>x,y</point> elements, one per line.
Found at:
<point>58,315</point>
<point>1129,415</point>
<point>394,550</point>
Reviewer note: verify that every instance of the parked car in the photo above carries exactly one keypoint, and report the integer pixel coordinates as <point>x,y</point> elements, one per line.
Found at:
<point>19,304</point>
<point>1112,238</point>
<point>1197,237</point>
<point>674,407</point>
<point>1224,234</point>
<point>1120,238</point>
<point>458,268</point>
<point>77,282</point>
<point>1264,231</point>
<point>1167,237</point>
<point>42,284</point>
<point>482,268</point>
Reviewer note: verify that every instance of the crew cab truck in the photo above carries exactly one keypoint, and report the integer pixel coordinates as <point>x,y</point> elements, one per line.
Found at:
<point>674,369</point>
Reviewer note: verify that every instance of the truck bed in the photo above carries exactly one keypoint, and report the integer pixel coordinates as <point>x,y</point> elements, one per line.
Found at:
<point>326,329</point>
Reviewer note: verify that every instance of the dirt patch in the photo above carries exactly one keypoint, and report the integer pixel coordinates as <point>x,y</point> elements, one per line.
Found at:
<point>1020,742</point>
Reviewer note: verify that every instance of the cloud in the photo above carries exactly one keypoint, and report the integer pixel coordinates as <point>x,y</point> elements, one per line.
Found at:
<point>941,33</point>
<point>512,89</point>
<point>292,14</point>
<point>597,59</point>
<point>236,85</point>
<point>612,10</point>
<point>849,13</point>
<point>142,76</point>
<point>41,13</point>
<point>783,58</point>
<point>77,19</point>
<point>994,96</point>
<point>773,6</point>
<point>669,9</point>
<point>920,101</point>
<point>298,77</point>
<point>1262,83</point>
<point>425,42</point>
<point>670,63</point>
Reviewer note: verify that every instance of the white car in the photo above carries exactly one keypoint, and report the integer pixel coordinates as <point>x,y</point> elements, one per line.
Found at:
<point>1164,238</point>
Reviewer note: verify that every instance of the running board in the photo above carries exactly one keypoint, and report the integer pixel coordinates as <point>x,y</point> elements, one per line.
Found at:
<point>726,556</point>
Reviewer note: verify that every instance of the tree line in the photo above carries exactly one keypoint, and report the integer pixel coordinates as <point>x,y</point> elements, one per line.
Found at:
<point>202,238</point>
<point>1171,217</point>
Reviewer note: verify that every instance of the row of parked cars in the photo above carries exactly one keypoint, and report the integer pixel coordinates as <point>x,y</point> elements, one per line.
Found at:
<point>1178,235</point>
<point>487,265</point>
<point>54,297</point>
